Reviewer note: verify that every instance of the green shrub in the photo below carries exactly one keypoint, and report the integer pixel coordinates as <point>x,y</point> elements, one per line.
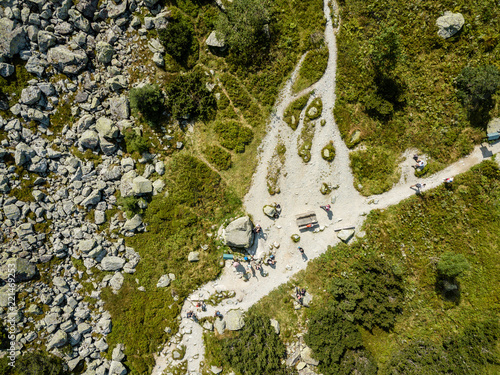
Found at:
<point>331,152</point>
<point>372,297</point>
<point>476,85</point>
<point>219,157</point>
<point>148,101</point>
<point>359,362</point>
<point>295,238</point>
<point>256,350</point>
<point>330,336</point>
<point>452,265</point>
<point>292,113</point>
<point>386,49</point>
<point>242,27</point>
<point>316,103</point>
<point>375,170</point>
<point>188,97</point>
<point>312,69</point>
<point>39,363</point>
<point>377,107</point>
<point>177,38</point>
<point>135,142</point>
<point>232,135</point>
<point>304,141</point>
<point>130,205</point>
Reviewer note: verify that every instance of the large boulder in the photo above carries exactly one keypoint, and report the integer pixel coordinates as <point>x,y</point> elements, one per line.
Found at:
<point>141,186</point>
<point>106,128</point>
<point>219,326</point>
<point>345,234</point>
<point>46,40</point>
<point>234,320</point>
<point>104,52</point>
<point>119,107</point>
<point>30,95</point>
<point>493,125</point>
<point>449,24</point>
<point>163,282</point>
<point>89,139</point>
<point>269,211</point>
<point>239,233</point>
<point>66,60</point>
<point>132,224</point>
<point>12,38</point>
<point>111,263</point>
<point>213,41</point>
<point>87,7</point>
<point>23,269</point>
<point>59,339</point>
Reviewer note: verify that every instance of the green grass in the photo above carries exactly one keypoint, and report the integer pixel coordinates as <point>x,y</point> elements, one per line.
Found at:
<point>310,113</point>
<point>274,168</point>
<point>218,157</point>
<point>292,113</point>
<point>11,87</point>
<point>427,114</point>
<point>177,224</point>
<point>312,69</point>
<point>304,141</point>
<point>331,152</point>
<point>375,170</point>
<point>411,237</point>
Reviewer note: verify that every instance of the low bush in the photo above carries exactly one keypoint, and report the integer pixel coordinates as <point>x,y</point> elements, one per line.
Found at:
<point>312,69</point>
<point>330,336</point>
<point>292,113</point>
<point>274,168</point>
<point>328,152</point>
<point>372,297</point>
<point>314,109</point>
<point>476,85</point>
<point>217,156</point>
<point>38,363</point>
<point>375,170</point>
<point>147,101</point>
<point>135,143</point>
<point>188,97</point>
<point>256,349</point>
<point>177,37</point>
<point>304,142</point>
<point>130,206</point>
<point>232,135</point>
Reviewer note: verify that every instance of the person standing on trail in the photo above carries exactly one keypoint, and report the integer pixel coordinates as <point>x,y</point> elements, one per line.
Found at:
<point>418,185</point>
<point>326,208</point>
<point>448,180</point>
<point>415,157</point>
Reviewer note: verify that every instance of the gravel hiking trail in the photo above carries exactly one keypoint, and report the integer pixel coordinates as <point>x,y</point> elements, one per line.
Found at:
<point>300,191</point>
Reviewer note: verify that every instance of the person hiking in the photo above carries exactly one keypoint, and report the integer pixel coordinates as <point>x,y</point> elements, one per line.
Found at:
<point>418,185</point>
<point>203,306</point>
<point>326,208</point>
<point>218,314</point>
<point>257,228</point>
<point>448,180</point>
<point>301,250</point>
<point>415,157</point>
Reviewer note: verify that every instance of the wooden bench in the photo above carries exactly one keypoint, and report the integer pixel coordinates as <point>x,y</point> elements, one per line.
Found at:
<point>493,136</point>
<point>306,220</point>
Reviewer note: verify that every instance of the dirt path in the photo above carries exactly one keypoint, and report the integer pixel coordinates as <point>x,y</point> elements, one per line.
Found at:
<point>300,184</point>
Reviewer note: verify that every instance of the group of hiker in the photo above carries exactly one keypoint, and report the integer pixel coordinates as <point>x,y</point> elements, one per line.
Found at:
<point>420,165</point>
<point>191,315</point>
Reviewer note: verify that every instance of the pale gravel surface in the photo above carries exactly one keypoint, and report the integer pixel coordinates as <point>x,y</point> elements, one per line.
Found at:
<point>300,184</point>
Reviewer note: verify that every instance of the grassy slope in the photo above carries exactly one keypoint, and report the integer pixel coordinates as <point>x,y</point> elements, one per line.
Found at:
<point>430,119</point>
<point>412,235</point>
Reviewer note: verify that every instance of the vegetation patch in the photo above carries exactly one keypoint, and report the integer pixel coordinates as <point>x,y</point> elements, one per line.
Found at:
<point>232,135</point>
<point>292,113</point>
<point>177,224</point>
<point>147,101</point>
<point>314,109</point>
<point>375,170</point>
<point>312,69</point>
<point>11,87</point>
<point>397,79</point>
<point>218,157</point>
<point>328,152</point>
<point>274,168</point>
<point>304,142</point>
<point>188,97</point>
<point>135,142</point>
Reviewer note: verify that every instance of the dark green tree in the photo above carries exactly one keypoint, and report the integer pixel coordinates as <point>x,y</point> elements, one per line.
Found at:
<point>177,38</point>
<point>244,28</point>
<point>188,97</point>
<point>256,350</point>
<point>386,51</point>
<point>33,363</point>
<point>148,101</point>
<point>330,336</point>
<point>373,297</point>
<point>476,86</point>
<point>452,265</point>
